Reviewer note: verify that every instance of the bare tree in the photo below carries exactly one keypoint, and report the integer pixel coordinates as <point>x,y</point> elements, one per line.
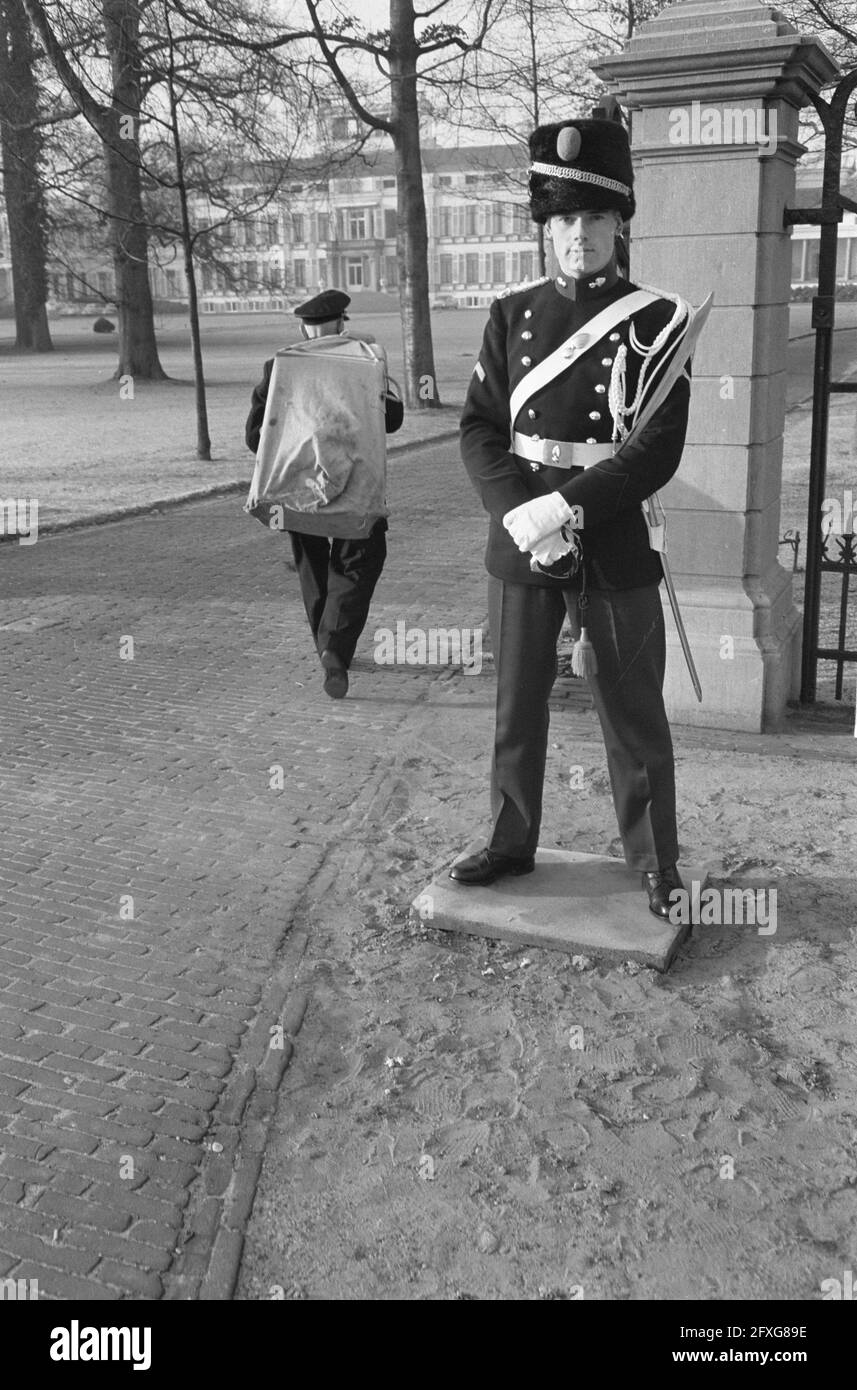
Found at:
<point>396,53</point>
<point>21,149</point>
<point>117,123</point>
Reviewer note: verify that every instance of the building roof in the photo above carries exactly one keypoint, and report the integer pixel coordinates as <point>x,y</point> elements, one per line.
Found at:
<point>381,161</point>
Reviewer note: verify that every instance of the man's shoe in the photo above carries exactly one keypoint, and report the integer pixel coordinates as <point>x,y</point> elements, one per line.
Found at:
<point>335,676</point>
<point>487,865</point>
<point>659,885</point>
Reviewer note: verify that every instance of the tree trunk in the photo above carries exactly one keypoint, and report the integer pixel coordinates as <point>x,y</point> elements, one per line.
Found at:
<point>20,149</point>
<point>203,438</point>
<point>138,349</point>
<point>421,390</point>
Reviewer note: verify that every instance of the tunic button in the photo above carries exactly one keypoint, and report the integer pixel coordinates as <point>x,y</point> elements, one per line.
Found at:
<point>600,389</point>
<point>531,413</point>
<point>614,337</point>
<point>560,281</point>
<point>592,441</point>
<point>537,438</point>
<point>535,466</point>
<point>528,313</point>
<point>607,361</point>
<point>526,334</point>
<point>595,414</point>
<point>526,361</point>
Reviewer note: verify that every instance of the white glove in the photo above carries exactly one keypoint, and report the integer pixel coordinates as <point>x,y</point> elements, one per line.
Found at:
<point>534,520</point>
<point>554,547</point>
<point>551,548</point>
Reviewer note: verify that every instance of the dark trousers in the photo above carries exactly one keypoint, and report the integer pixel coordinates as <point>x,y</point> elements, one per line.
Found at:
<point>626,629</point>
<point>338,579</point>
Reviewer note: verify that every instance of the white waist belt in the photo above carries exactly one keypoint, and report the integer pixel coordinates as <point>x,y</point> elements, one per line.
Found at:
<point>560,453</point>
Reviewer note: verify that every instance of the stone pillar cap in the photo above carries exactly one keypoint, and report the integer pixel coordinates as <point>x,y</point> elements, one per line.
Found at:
<point>718,50</point>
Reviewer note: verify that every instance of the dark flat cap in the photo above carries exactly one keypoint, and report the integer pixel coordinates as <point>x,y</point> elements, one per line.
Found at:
<point>330,304</point>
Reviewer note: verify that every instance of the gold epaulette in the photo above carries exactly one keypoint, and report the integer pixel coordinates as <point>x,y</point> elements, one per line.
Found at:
<point>524,285</point>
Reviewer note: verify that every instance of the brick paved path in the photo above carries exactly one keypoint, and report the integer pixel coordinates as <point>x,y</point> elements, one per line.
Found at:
<point>151,873</point>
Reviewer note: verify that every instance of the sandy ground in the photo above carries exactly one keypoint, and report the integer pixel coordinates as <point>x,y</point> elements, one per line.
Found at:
<point>444,1132</point>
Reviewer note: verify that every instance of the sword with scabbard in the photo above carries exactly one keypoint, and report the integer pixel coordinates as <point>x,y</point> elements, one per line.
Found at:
<point>652,510</point>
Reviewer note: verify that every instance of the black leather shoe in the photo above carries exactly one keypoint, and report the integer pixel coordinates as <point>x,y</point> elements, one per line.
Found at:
<point>487,865</point>
<point>659,885</point>
<point>335,676</point>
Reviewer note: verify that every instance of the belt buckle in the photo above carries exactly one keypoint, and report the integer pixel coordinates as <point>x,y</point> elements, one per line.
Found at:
<point>552,454</point>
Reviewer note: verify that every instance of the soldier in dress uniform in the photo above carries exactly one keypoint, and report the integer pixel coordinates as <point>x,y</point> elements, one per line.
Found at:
<point>565,364</point>
<point>337,576</point>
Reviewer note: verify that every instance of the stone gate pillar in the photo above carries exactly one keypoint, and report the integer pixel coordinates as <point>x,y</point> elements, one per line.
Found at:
<point>714,88</point>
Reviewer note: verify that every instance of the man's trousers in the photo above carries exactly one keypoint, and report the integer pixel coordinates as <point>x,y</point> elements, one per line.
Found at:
<point>626,629</point>
<point>338,579</point>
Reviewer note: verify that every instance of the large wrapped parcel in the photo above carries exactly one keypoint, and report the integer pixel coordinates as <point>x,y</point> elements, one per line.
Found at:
<point>322,457</point>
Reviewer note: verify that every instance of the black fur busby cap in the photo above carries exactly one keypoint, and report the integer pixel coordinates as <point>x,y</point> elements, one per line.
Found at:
<point>578,165</point>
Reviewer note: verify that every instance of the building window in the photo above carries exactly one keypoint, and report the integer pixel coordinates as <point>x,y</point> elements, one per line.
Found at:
<point>445,222</point>
<point>272,230</point>
<point>388,183</point>
<point>391,270</point>
<point>323,222</point>
<point>841,258</point>
<point>390,219</point>
<point>498,219</point>
<point>297,226</point>
<point>446,270</point>
<point>526,265</point>
<point>471,270</point>
<point>797,261</point>
<point>300,275</point>
<point>498,268</point>
<point>471,219</point>
<point>354,274</point>
<point>356,223</point>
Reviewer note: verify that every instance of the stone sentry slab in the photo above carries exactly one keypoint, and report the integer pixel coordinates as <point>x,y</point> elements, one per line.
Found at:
<point>588,904</point>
